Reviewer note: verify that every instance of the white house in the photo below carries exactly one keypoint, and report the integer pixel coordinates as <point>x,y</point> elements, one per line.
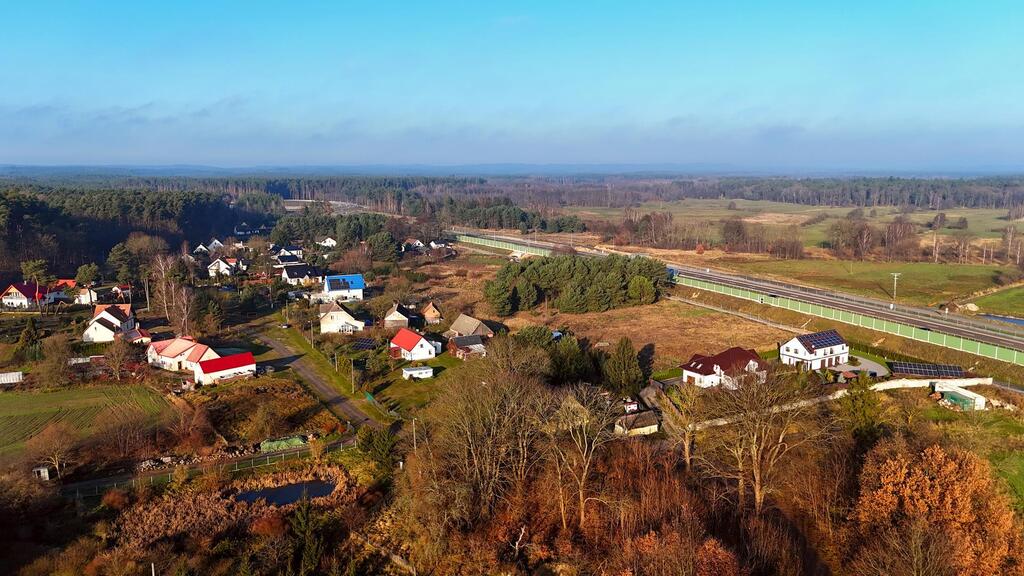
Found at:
<point>201,249</point>
<point>815,351</point>
<point>290,251</point>
<point>109,320</point>
<point>409,345</point>
<point>226,267</point>
<point>343,287</point>
<point>87,296</point>
<point>412,244</point>
<point>336,318</point>
<point>182,353</point>
<point>435,244</point>
<point>301,275</point>
<point>209,371</point>
<point>24,295</point>
<point>215,245</point>
<point>722,368</point>
<point>328,242</point>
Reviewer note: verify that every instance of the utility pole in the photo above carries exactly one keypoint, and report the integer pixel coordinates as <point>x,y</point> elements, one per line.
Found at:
<point>895,277</point>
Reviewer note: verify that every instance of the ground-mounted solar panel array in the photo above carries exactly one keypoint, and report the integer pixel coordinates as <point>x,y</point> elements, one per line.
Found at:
<point>934,370</point>
<point>364,344</point>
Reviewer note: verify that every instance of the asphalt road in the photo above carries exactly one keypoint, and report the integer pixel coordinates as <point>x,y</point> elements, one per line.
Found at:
<point>954,324</point>
<point>919,317</point>
<point>337,403</point>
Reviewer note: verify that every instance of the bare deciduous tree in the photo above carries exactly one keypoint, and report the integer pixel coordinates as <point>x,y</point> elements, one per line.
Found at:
<point>767,420</point>
<point>54,446</point>
<point>582,425</point>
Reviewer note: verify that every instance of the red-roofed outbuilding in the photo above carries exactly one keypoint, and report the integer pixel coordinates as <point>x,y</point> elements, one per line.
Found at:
<point>233,366</point>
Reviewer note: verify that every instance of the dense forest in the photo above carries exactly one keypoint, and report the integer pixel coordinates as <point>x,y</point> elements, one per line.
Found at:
<point>406,194</point>
<point>74,227</point>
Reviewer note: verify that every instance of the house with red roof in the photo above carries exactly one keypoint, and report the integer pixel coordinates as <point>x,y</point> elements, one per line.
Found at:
<point>233,366</point>
<point>180,354</point>
<point>724,368</point>
<point>108,321</point>
<point>226,267</point>
<point>24,295</point>
<point>411,346</point>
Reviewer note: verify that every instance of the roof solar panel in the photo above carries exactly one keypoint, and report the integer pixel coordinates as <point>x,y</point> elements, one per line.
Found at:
<point>821,339</point>
<point>934,370</point>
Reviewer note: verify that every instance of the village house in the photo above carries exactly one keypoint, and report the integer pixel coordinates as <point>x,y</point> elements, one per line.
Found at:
<point>25,295</point>
<point>226,267</point>
<point>236,365</point>
<point>328,242</point>
<point>180,354</point>
<point>637,424</point>
<point>122,292</point>
<point>397,316</point>
<point>466,325</point>
<point>301,275</point>
<point>438,244</point>
<point>412,244</point>
<point>815,351</point>
<point>283,260</point>
<point>723,368</point>
<point>343,287</point>
<point>411,346</point>
<point>336,318</point>
<point>108,321</point>
<point>87,296</point>
<point>290,250</point>
<point>215,245</point>
<point>201,249</point>
<point>466,347</point>
<point>431,313</point>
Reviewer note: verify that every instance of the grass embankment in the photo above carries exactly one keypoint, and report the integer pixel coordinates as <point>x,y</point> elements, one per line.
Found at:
<point>920,283</point>
<point>856,335</point>
<point>23,414</point>
<point>1009,302</point>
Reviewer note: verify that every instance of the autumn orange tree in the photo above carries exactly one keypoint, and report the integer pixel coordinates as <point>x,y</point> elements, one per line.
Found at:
<point>935,511</point>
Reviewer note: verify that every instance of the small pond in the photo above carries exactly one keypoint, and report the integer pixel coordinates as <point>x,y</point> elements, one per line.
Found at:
<point>289,493</point>
<point>1005,319</point>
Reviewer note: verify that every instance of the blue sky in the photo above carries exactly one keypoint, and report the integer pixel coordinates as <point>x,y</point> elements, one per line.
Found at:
<point>866,85</point>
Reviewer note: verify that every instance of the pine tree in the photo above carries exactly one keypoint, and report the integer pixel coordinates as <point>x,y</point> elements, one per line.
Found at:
<point>622,370</point>
<point>308,545</point>
<point>572,299</point>
<point>641,290</point>
<point>526,294</point>
<point>501,296</point>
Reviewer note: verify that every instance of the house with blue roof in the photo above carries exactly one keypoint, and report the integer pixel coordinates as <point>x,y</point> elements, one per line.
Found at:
<point>343,287</point>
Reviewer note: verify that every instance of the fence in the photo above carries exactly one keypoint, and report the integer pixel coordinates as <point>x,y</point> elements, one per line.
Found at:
<point>862,320</point>
<point>263,460</point>
<point>855,318</point>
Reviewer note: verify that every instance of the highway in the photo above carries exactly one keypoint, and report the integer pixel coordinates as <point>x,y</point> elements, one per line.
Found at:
<point>988,332</point>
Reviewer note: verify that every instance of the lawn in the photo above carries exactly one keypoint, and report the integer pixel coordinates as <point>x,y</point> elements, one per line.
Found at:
<point>921,283</point>
<point>1008,302</point>
<point>404,395</point>
<point>23,414</point>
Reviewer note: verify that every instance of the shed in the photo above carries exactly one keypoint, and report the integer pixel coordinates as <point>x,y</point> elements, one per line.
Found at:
<point>42,472</point>
<point>637,424</point>
<point>417,372</point>
<point>278,444</point>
